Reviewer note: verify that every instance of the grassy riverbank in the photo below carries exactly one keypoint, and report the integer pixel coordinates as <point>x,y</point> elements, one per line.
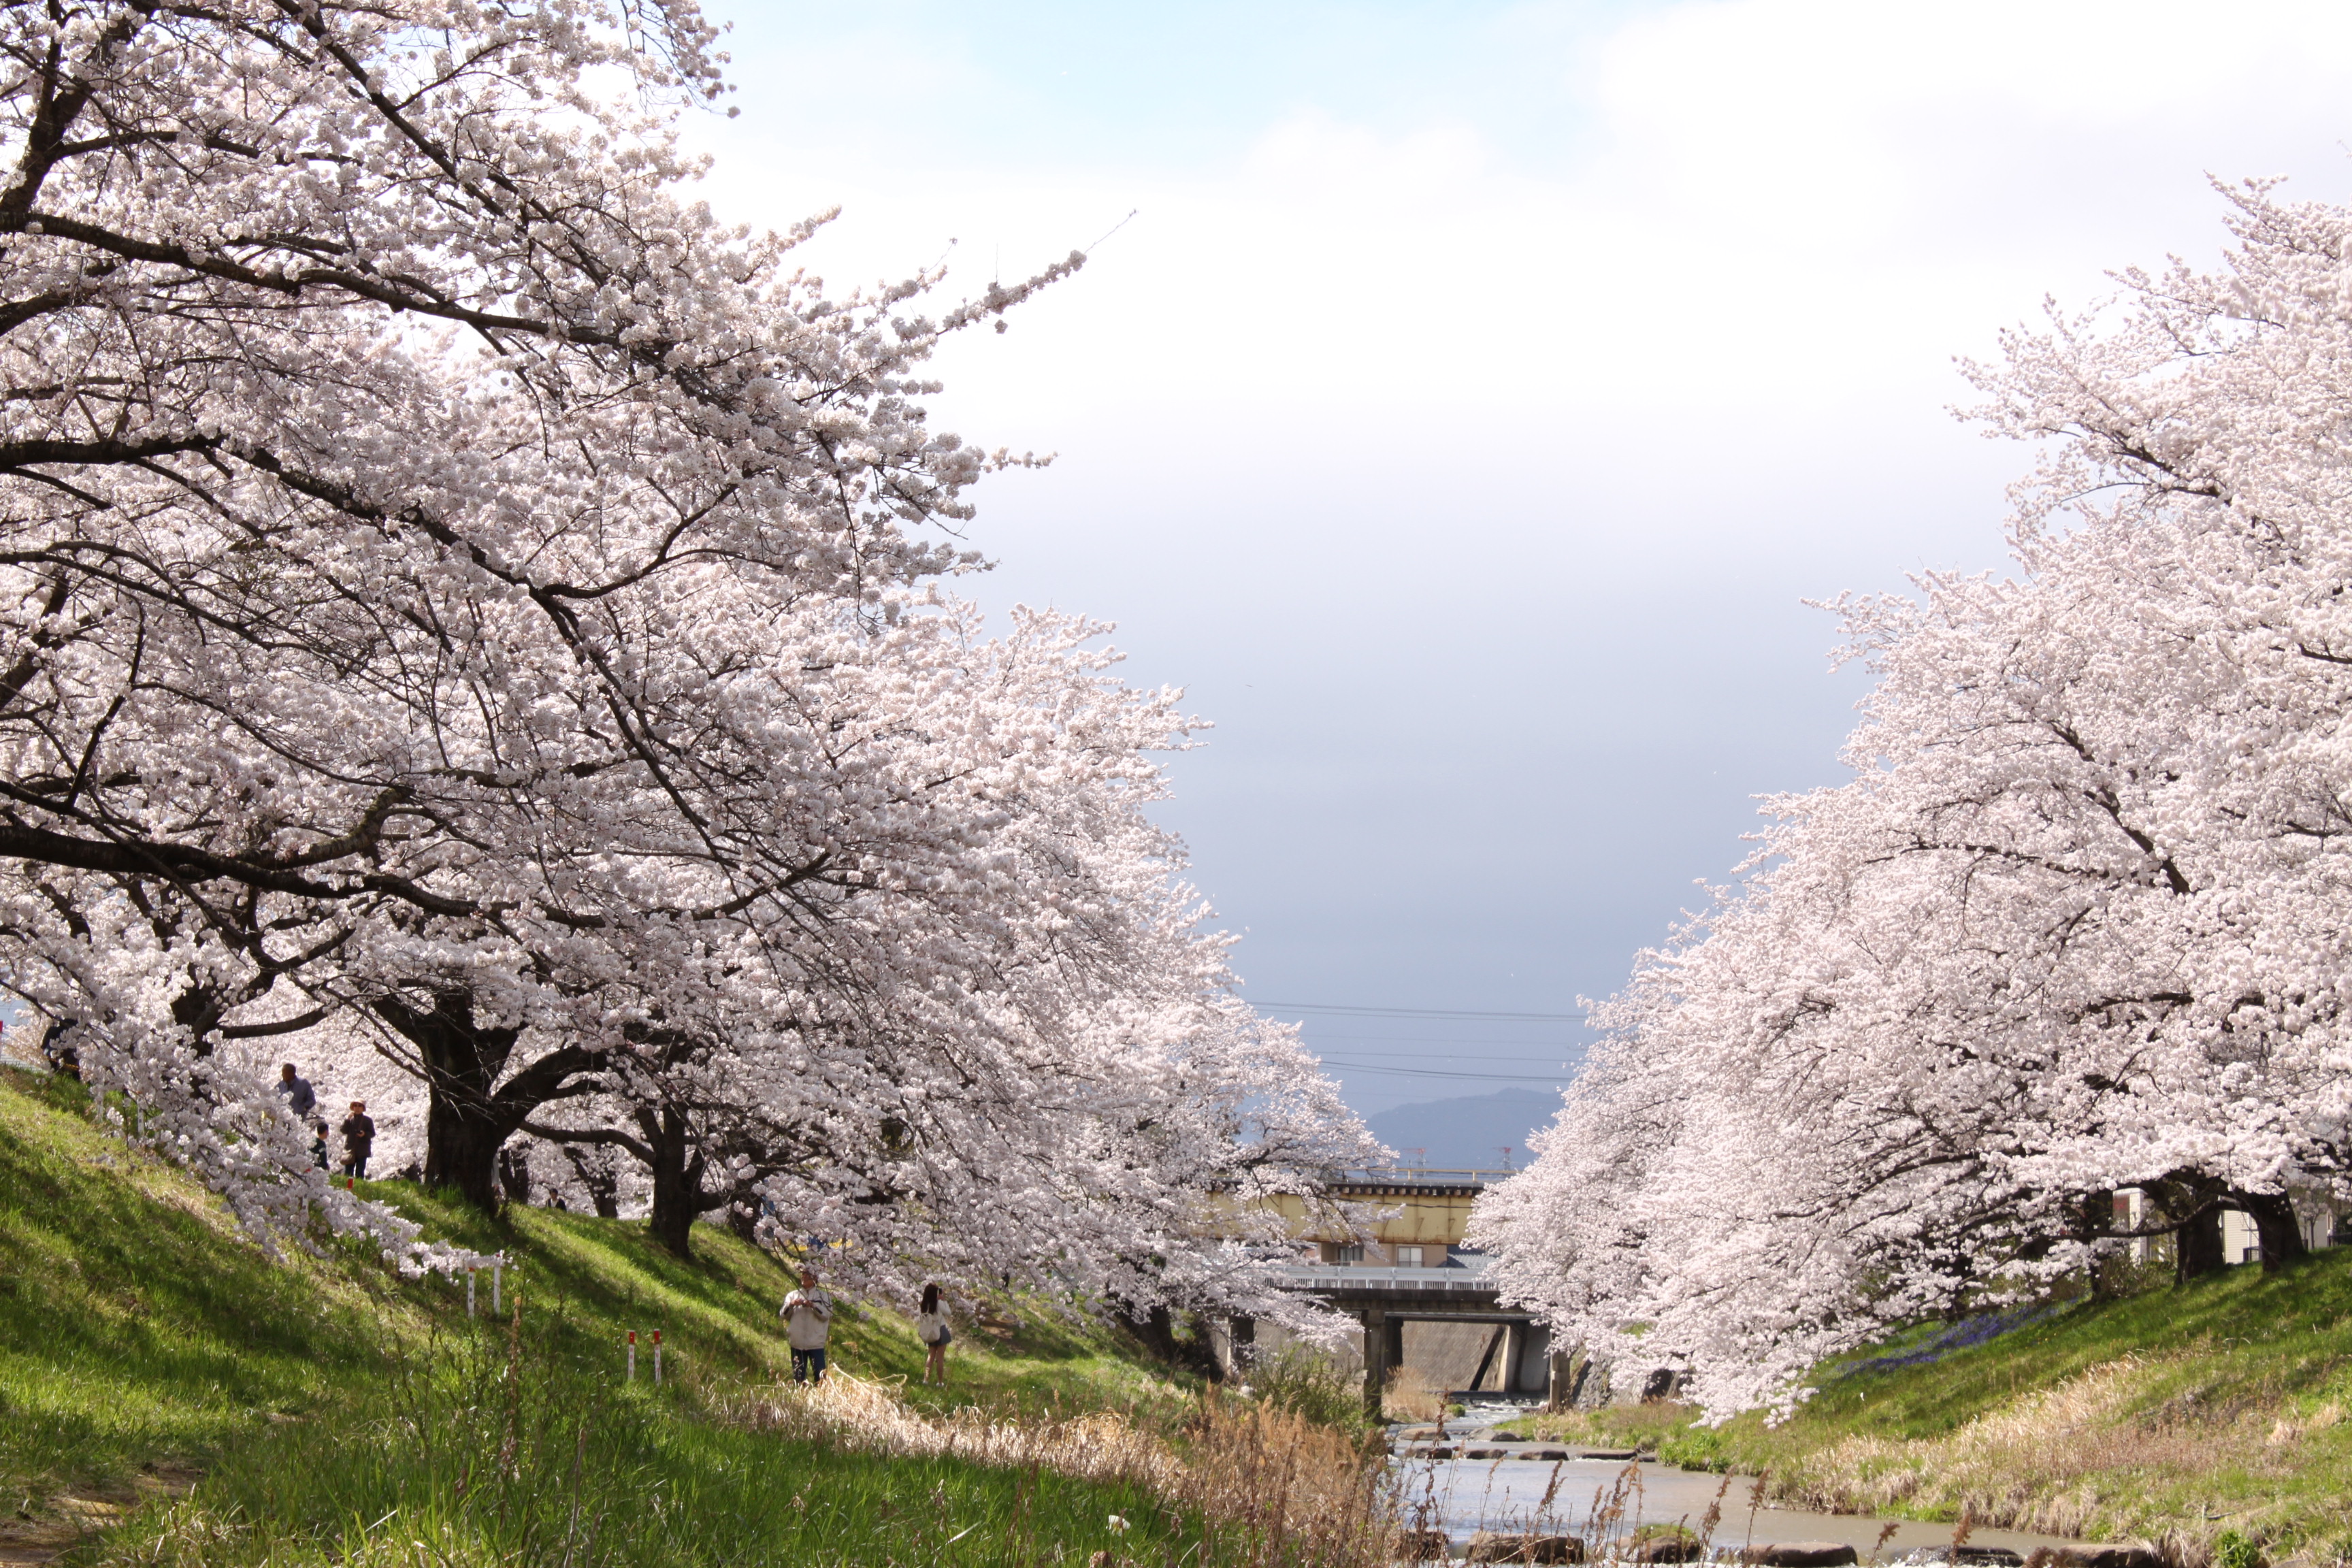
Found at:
<point>170,1394</point>
<point>2191,1415</point>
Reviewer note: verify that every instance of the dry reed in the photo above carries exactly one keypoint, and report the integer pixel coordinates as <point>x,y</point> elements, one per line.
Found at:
<point>1274,1488</point>
<point>1269,1486</point>
<point>1100,1446</point>
<point>2043,1463</point>
<point>1410,1396</point>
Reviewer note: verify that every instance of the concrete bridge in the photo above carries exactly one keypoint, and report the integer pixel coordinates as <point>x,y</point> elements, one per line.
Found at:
<point>1385,1300</point>
<point>1413,1269</point>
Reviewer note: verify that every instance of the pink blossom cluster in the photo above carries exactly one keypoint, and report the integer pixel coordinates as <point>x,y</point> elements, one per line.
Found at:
<point>460,601</point>
<point>2079,923</point>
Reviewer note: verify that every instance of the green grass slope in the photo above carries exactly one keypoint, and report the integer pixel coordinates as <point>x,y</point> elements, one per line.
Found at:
<point>168,1385</point>
<point>2205,1414</point>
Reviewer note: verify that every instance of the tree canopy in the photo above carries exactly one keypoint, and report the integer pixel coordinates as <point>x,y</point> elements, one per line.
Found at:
<point>462,598</point>
<point>2079,920</point>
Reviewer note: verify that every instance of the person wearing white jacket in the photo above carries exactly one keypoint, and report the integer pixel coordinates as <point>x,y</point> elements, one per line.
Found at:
<point>807,1313</point>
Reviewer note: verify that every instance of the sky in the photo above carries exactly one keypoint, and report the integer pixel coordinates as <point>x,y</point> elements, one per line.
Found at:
<point>1463,402</point>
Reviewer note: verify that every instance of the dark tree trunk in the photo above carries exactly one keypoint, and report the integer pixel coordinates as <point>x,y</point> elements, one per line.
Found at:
<point>463,1126</point>
<point>672,1155</point>
<point>199,1011</point>
<point>461,1148</point>
<point>1157,1330</point>
<point>469,1115</point>
<point>514,1176</point>
<point>2274,1222</point>
<point>1157,1333</point>
<point>2196,1246</point>
<point>597,1176</point>
<point>677,1179</point>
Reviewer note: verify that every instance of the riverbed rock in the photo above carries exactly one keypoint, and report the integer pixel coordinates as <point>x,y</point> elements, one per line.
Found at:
<point>1664,1549</point>
<point>1523,1546</point>
<point>1963,1557</point>
<point>1799,1554</point>
<point>1551,1455</point>
<point>1423,1546</point>
<point>1484,1453</point>
<point>2094,1554</point>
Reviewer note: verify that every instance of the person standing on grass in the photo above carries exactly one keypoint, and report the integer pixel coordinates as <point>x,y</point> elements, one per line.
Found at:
<point>296,1090</point>
<point>807,1313</point>
<point>359,1139</point>
<point>931,1328</point>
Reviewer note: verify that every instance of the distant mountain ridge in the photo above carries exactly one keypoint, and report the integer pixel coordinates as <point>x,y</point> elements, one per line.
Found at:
<point>1469,1133</point>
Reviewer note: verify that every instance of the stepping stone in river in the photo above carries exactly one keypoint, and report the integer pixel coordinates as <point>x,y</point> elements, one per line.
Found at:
<point>1557,1453</point>
<point>1423,1546</point>
<point>2092,1554</point>
<point>1965,1556</point>
<point>1484,1453</point>
<point>1799,1554</point>
<point>1611,1454</point>
<point>1523,1546</point>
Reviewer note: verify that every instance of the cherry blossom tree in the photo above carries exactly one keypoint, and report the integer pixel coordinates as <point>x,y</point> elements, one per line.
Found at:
<point>461,594</point>
<point>308,300</point>
<point>2076,924</point>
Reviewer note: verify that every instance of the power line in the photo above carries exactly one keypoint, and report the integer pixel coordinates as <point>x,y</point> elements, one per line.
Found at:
<point>1434,1072</point>
<point>1453,1057</point>
<point>1318,1039</point>
<point>1423,1012</point>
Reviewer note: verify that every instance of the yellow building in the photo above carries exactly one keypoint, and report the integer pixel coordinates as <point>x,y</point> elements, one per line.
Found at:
<point>1414,1219</point>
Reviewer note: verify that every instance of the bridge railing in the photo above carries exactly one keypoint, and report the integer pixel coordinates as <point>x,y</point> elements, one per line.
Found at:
<point>1316,1278</point>
<point>1461,1273</point>
<point>1444,1174</point>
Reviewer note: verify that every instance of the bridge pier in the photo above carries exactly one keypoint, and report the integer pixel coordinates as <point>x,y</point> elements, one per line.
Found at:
<point>1515,1353</point>
<point>1375,1357</point>
<point>1241,1339</point>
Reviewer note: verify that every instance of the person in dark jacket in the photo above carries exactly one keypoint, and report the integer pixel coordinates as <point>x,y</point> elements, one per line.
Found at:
<point>296,1090</point>
<point>359,1137</point>
<point>59,1048</point>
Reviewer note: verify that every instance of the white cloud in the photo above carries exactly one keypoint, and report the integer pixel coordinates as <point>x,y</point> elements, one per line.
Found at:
<point>1465,422</point>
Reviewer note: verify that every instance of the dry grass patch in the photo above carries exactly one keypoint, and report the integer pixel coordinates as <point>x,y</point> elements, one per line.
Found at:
<point>874,1418</point>
<point>2096,1455</point>
<point>1410,1396</point>
<point>1269,1486</point>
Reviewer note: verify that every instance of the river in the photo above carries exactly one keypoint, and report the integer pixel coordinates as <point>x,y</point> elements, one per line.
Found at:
<point>1464,1495</point>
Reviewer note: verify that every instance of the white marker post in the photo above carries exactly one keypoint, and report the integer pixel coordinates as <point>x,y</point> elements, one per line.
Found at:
<point>497,1276</point>
<point>633,1355</point>
<point>469,1292</point>
<point>656,1358</point>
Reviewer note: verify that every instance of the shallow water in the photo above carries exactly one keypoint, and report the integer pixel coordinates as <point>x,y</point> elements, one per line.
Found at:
<point>1467,1495</point>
